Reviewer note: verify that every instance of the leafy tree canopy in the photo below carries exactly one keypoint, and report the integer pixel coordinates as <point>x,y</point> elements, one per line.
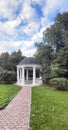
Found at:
<point>53,51</point>
<point>8,65</point>
<point>56,34</point>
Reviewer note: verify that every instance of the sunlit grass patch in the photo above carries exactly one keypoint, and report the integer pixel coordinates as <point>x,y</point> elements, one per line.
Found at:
<point>7,93</point>
<point>49,109</point>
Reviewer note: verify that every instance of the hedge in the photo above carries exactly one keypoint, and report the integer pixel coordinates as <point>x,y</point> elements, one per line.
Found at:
<point>59,83</point>
<point>7,76</point>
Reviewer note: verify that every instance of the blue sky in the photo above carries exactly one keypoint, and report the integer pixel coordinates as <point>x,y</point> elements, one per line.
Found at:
<point>22,22</point>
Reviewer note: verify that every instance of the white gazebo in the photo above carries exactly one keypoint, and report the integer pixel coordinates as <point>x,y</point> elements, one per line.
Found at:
<point>29,72</point>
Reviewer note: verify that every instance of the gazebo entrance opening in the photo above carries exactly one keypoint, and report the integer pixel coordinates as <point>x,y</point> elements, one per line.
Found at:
<point>28,76</point>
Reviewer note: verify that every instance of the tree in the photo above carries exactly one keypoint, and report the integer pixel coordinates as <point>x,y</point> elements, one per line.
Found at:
<point>1,74</point>
<point>16,57</point>
<point>57,33</point>
<point>62,60</point>
<point>8,65</point>
<point>4,60</point>
<point>44,55</point>
<point>53,51</point>
<point>54,70</point>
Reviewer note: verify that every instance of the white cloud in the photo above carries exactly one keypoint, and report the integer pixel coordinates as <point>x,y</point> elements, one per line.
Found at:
<point>7,28</point>
<point>45,22</point>
<point>26,47</point>
<point>39,2</point>
<point>27,12</point>
<point>64,6</point>
<point>39,35</point>
<point>50,6</point>
<point>53,5</point>
<point>8,8</point>
<point>2,49</point>
<point>29,52</point>
<point>31,28</point>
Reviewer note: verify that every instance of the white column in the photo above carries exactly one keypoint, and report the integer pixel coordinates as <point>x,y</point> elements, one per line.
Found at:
<point>23,76</point>
<point>17,74</point>
<point>34,75</point>
<point>20,73</point>
<point>27,74</point>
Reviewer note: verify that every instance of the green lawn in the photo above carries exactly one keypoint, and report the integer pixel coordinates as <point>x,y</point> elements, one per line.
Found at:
<point>7,93</point>
<point>49,109</point>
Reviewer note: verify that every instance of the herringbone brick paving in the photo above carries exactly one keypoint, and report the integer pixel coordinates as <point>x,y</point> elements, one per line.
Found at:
<point>16,115</point>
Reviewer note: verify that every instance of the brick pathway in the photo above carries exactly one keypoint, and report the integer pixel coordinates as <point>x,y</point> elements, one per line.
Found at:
<point>16,115</point>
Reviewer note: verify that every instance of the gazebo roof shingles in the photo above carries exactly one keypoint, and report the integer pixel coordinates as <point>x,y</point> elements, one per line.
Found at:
<point>29,60</point>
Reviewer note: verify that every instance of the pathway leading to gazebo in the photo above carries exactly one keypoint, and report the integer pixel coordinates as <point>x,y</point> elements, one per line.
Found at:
<point>16,115</point>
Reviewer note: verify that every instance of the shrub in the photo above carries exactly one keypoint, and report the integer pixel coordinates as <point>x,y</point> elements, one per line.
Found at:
<point>9,76</point>
<point>59,83</point>
<point>1,74</point>
<point>45,73</point>
<point>55,71</point>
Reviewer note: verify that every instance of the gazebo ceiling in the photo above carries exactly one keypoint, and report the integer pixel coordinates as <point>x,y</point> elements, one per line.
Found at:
<point>29,60</point>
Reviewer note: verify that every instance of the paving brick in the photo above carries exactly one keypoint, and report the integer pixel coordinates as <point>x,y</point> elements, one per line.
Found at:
<point>16,115</point>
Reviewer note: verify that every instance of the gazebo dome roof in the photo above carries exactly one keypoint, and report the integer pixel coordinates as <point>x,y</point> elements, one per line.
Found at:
<point>29,60</point>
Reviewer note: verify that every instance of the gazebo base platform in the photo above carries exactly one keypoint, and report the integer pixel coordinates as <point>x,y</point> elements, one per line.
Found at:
<point>30,83</point>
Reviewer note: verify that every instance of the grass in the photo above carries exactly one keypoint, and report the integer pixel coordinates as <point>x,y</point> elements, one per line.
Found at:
<point>49,109</point>
<point>7,93</point>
